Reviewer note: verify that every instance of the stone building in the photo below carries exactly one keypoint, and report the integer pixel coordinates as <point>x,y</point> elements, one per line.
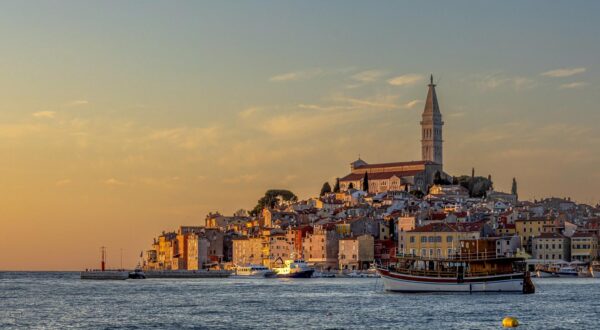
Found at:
<point>321,248</point>
<point>356,253</point>
<point>412,175</point>
<point>552,247</point>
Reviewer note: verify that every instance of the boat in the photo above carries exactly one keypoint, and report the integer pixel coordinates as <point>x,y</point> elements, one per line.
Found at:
<point>294,268</point>
<point>567,271</point>
<point>137,274</point>
<point>476,272</point>
<point>258,271</point>
<point>187,273</point>
<point>541,273</point>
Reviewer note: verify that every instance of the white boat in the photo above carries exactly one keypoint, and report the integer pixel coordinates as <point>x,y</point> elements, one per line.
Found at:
<point>294,269</point>
<point>545,273</point>
<point>567,271</point>
<point>457,274</point>
<point>254,271</point>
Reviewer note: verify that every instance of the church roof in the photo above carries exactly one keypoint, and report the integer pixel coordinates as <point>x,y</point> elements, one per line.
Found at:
<point>380,175</point>
<point>431,103</point>
<point>396,164</point>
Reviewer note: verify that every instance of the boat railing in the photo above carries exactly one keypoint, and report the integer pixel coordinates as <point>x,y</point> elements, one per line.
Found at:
<point>458,257</point>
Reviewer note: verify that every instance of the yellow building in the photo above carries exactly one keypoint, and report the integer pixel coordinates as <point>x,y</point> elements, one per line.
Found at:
<point>527,229</point>
<point>584,247</point>
<point>438,240</point>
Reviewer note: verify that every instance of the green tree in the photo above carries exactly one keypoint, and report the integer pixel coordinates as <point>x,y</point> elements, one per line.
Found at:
<point>417,193</point>
<point>336,188</point>
<point>325,189</point>
<point>270,199</point>
<point>351,186</point>
<point>476,185</point>
<point>365,183</point>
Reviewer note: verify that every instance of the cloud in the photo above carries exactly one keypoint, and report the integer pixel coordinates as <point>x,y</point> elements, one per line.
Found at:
<point>186,137</point>
<point>114,182</point>
<point>406,80</point>
<point>496,80</point>
<point>63,182</point>
<point>411,104</point>
<point>244,178</point>
<point>249,112</point>
<point>368,76</point>
<point>577,84</point>
<point>564,72</point>
<point>76,103</point>
<point>44,114</point>
<point>296,75</point>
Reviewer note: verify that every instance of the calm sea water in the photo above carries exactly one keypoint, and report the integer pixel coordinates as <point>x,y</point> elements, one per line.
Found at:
<point>62,300</point>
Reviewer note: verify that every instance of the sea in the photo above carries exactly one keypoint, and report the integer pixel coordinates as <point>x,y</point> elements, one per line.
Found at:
<point>60,300</point>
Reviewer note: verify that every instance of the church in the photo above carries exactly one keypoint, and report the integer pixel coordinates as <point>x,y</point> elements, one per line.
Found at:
<point>411,175</point>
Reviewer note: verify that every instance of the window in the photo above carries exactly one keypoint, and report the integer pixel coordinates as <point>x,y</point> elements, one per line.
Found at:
<point>412,239</point>
<point>423,239</point>
<point>423,252</point>
<point>449,239</point>
<point>431,252</point>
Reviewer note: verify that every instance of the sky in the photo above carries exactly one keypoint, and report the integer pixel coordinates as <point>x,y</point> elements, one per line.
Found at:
<point>120,120</point>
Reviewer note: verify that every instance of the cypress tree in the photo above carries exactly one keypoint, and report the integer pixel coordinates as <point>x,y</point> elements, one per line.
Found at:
<point>336,188</point>
<point>325,189</point>
<point>365,183</point>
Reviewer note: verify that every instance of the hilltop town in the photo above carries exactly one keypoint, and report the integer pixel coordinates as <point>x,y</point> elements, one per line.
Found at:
<point>379,210</point>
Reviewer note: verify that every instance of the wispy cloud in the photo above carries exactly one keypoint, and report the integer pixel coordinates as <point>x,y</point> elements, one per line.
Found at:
<point>76,103</point>
<point>63,182</point>
<point>113,182</point>
<point>411,104</point>
<point>44,114</point>
<point>244,178</point>
<point>496,80</point>
<point>368,76</point>
<point>248,112</point>
<point>576,84</point>
<point>406,80</point>
<point>564,72</point>
<point>186,137</point>
<point>296,75</point>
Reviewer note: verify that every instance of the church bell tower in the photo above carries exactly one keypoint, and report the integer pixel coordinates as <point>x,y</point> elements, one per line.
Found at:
<point>431,128</point>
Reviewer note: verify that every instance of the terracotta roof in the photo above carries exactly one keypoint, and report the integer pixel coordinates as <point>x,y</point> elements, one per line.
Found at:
<point>379,175</point>
<point>447,227</point>
<point>395,164</point>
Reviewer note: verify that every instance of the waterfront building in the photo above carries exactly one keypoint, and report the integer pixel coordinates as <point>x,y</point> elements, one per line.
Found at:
<point>584,246</point>
<point>321,247</point>
<point>197,251</point>
<point>552,247</point>
<point>247,251</point>
<point>508,246</point>
<point>439,239</point>
<point>356,253</point>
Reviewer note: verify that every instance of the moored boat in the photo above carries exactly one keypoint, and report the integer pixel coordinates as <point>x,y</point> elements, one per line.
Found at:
<point>258,271</point>
<point>294,269</point>
<point>480,272</point>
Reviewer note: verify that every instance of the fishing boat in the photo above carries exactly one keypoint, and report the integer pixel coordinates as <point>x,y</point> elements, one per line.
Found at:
<point>476,272</point>
<point>294,268</point>
<point>567,271</point>
<point>254,271</point>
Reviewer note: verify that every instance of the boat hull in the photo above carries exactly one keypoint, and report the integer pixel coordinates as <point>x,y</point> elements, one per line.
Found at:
<point>408,283</point>
<point>301,274</point>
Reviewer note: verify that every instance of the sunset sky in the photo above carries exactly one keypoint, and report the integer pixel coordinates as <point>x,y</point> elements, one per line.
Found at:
<point>119,120</point>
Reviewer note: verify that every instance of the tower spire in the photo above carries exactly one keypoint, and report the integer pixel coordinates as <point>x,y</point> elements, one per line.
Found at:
<point>431,127</point>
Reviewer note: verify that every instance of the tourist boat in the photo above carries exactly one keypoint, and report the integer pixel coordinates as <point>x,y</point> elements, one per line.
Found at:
<point>478,272</point>
<point>254,271</point>
<point>294,269</point>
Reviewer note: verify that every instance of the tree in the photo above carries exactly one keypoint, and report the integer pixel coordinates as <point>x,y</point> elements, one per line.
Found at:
<point>271,198</point>
<point>365,183</point>
<point>351,186</point>
<point>417,193</point>
<point>513,189</point>
<point>325,189</point>
<point>437,179</point>
<point>476,185</point>
<point>336,188</point>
